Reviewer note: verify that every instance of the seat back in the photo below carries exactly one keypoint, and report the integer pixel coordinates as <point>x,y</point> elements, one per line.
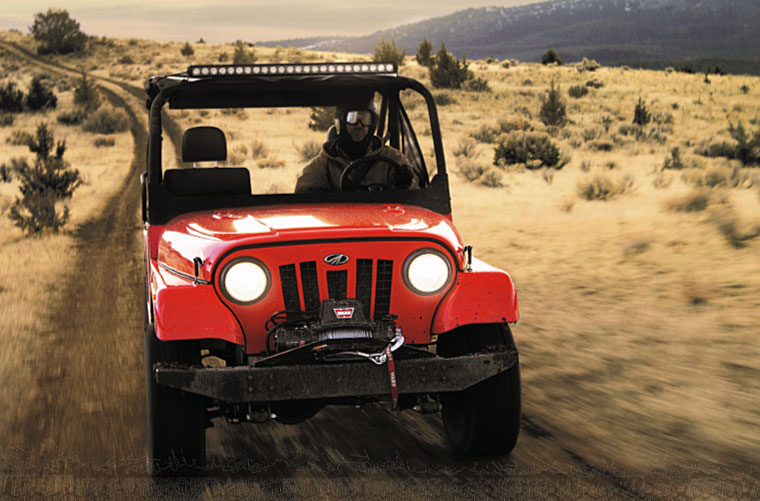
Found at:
<point>225,181</point>
<point>204,144</point>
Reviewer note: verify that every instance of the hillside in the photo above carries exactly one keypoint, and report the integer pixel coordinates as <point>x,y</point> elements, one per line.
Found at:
<point>610,31</point>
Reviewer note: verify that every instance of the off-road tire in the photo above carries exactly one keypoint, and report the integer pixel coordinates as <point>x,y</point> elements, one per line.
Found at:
<point>483,420</point>
<point>176,419</point>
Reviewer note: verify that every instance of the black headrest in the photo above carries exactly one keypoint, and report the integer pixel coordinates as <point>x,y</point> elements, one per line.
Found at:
<point>204,144</point>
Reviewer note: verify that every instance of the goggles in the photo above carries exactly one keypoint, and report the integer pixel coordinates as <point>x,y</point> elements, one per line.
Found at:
<point>364,117</point>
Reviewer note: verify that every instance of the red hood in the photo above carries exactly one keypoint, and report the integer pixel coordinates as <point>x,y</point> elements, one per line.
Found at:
<point>209,235</point>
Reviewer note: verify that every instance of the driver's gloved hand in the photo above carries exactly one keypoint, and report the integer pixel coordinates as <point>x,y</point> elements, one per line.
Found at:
<point>401,177</point>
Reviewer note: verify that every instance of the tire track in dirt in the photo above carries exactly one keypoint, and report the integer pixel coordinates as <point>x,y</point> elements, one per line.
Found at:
<point>88,415</point>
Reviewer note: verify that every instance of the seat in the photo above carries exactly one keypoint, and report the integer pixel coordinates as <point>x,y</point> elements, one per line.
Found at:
<point>206,144</point>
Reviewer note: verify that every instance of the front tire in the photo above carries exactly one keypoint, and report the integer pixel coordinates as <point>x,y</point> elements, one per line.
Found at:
<point>483,420</point>
<point>176,419</point>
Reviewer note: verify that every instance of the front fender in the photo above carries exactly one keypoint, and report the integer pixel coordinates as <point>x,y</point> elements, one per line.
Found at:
<point>186,311</point>
<point>484,295</point>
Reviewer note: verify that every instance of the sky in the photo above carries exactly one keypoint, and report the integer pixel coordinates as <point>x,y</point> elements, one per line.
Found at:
<point>251,20</point>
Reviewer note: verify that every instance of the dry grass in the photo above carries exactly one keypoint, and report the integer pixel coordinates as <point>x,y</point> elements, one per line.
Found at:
<point>638,330</point>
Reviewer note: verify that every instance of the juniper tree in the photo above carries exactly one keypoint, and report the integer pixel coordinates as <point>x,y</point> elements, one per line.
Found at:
<point>553,109</point>
<point>448,72</point>
<point>387,52</point>
<point>641,115</point>
<point>49,181</point>
<point>425,53</point>
<point>57,32</point>
<point>40,96</point>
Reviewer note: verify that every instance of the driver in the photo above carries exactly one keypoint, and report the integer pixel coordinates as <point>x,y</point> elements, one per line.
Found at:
<point>356,139</point>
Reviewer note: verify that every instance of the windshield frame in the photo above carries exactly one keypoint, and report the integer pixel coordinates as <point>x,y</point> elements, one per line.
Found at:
<point>182,92</point>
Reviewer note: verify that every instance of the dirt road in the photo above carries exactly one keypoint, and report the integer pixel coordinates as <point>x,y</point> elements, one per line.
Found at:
<point>80,429</point>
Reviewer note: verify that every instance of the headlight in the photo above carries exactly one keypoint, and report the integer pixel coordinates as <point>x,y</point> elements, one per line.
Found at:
<point>427,271</point>
<point>245,280</point>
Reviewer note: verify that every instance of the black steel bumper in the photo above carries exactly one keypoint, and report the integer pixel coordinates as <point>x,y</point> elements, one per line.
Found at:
<point>252,383</point>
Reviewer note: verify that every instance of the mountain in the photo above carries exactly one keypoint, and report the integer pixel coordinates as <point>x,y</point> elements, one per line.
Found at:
<point>610,31</point>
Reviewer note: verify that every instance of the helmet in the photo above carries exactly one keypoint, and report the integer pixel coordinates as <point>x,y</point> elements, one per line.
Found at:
<point>354,113</point>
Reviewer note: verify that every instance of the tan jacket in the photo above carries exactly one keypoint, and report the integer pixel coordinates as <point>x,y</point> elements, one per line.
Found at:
<point>322,173</point>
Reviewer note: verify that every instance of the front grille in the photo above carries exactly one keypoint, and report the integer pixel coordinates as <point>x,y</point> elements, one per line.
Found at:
<point>310,295</point>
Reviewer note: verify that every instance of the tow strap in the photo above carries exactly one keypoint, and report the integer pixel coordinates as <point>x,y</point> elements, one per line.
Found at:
<point>392,377</point>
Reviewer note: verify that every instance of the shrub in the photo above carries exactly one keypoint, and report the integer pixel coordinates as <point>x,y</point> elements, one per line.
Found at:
<point>674,161</point>
<point>601,146</point>
<point>20,138</point>
<point>241,55</point>
<point>74,117</point>
<point>40,96</point>
<point>549,57</point>
<point>86,94</point>
<point>11,98</point>
<point>126,59</point>
<point>187,50</point>
<point>258,149</point>
<point>479,173</point>
<point>485,134</point>
<point>641,115</point>
<point>661,180</point>
<point>425,53</point>
<point>509,125</point>
<point>444,99</point>
<point>595,83</point>
<point>477,85</point>
<point>322,118</point>
<point>747,147</point>
<point>466,148</point>
<point>587,65</point>
<point>448,72</point>
<point>6,119</point>
<point>386,52</point>
<point>492,178</point>
<point>601,187</point>
<point>577,91</point>
<point>744,89</point>
<point>48,181</point>
<point>308,150</point>
<point>57,33</point>
<point>223,57</point>
<point>104,142</point>
<point>6,171</point>
<point>271,163</point>
<point>533,150</point>
<point>107,121</point>
<point>553,111</point>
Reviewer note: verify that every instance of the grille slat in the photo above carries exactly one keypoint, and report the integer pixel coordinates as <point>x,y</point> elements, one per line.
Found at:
<point>364,284</point>
<point>337,284</point>
<point>290,297</point>
<point>310,285</point>
<point>383,285</point>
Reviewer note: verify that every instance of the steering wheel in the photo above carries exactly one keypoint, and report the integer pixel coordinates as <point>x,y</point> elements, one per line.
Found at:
<point>399,175</point>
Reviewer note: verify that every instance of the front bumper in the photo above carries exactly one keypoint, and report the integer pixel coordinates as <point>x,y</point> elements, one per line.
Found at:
<point>416,371</point>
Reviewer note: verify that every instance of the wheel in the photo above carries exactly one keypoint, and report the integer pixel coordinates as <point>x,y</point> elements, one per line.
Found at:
<point>483,420</point>
<point>176,419</point>
<point>399,175</point>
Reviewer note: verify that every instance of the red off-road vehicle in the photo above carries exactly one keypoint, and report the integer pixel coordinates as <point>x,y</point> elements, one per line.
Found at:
<point>272,305</point>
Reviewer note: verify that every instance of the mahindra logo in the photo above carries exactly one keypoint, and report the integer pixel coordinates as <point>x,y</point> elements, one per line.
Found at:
<point>344,312</point>
<point>336,259</point>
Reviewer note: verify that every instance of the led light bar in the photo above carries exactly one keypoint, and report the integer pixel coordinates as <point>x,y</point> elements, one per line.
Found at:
<point>258,70</point>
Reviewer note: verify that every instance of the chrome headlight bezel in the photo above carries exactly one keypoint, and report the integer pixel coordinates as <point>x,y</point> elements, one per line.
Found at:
<point>224,275</point>
<point>408,266</point>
